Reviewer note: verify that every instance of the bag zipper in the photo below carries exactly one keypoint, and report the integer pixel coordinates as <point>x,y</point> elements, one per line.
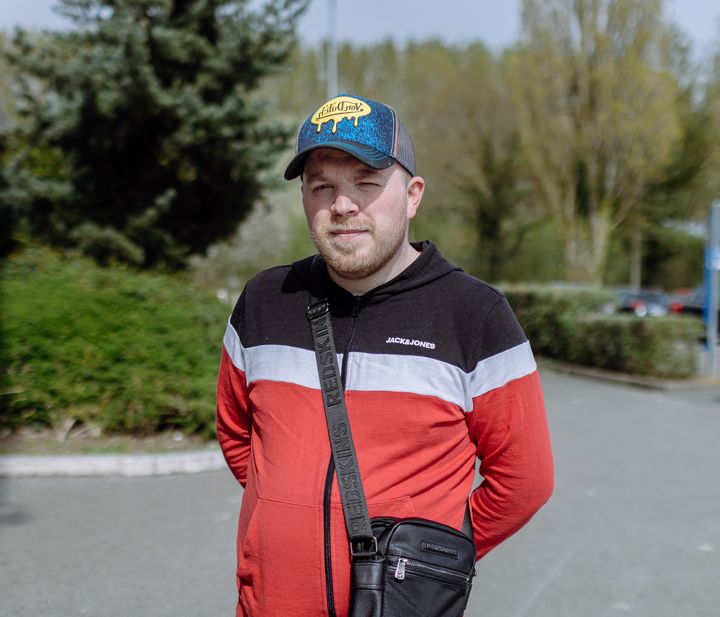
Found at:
<point>330,474</point>
<point>418,567</point>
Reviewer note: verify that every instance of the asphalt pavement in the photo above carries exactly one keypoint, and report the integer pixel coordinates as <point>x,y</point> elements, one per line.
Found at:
<point>634,525</point>
<point>632,529</point>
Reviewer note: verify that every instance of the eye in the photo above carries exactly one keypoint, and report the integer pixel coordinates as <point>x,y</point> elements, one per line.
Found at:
<point>319,188</point>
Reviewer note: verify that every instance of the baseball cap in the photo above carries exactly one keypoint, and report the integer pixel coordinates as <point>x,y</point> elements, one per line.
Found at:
<point>368,130</point>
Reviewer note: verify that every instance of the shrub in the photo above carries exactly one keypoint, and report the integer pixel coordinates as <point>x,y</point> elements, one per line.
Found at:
<point>549,314</point>
<point>128,352</point>
<point>567,323</point>
<point>661,347</point>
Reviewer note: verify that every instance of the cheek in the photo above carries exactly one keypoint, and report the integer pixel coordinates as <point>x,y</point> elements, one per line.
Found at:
<point>310,212</point>
<point>392,216</point>
<point>315,218</point>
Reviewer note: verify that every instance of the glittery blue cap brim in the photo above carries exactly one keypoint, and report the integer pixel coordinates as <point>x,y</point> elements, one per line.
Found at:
<point>367,155</point>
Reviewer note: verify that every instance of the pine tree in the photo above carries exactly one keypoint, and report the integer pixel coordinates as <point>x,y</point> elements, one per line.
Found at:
<point>144,140</point>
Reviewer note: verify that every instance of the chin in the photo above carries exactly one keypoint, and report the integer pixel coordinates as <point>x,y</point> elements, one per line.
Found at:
<point>354,267</point>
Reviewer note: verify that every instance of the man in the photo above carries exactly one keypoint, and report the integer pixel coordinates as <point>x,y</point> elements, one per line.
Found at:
<point>436,372</point>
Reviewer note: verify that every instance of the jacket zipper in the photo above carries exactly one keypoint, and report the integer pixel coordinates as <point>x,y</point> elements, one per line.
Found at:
<point>331,473</point>
<point>326,534</point>
<point>355,313</point>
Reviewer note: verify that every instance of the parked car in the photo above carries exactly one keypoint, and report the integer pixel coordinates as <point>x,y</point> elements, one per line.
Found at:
<point>643,303</point>
<point>690,302</point>
<point>679,300</point>
<point>694,302</point>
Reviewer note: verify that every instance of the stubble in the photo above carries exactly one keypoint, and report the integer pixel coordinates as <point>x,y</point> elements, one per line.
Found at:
<point>354,263</point>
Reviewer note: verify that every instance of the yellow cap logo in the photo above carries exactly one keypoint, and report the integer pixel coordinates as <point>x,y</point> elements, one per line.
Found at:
<point>338,109</point>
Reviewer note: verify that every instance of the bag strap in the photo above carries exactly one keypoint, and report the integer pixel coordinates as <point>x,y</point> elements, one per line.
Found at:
<point>357,520</point>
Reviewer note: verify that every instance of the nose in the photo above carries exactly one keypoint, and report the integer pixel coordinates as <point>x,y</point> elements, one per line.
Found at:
<point>344,205</point>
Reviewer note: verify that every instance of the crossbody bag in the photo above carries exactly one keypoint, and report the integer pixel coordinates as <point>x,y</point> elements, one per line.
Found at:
<point>400,566</point>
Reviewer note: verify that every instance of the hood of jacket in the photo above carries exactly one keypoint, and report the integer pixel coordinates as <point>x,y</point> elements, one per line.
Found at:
<point>428,267</point>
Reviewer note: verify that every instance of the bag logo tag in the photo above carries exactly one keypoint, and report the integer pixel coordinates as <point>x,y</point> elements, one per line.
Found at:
<point>439,549</point>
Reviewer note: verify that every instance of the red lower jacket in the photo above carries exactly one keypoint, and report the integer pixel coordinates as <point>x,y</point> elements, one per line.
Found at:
<point>437,372</point>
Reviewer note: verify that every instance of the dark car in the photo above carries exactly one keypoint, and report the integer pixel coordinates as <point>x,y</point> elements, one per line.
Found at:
<point>691,302</point>
<point>684,300</point>
<point>694,302</point>
<point>643,303</point>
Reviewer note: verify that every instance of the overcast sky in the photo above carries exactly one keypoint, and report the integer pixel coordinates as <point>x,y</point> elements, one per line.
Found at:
<point>495,22</point>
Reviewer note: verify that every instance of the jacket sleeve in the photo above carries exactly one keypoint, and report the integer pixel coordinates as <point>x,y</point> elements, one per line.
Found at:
<point>234,417</point>
<point>509,427</point>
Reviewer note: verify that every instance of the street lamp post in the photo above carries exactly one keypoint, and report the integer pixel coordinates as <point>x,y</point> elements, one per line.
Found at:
<point>712,268</point>
<point>332,50</point>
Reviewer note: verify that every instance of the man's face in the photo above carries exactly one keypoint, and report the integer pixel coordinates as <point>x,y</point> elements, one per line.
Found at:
<point>358,216</point>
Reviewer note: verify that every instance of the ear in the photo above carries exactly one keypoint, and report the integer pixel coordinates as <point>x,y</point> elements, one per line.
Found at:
<point>415,190</point>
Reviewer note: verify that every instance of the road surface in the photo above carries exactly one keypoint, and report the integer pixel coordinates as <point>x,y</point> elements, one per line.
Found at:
<point>632,529</point>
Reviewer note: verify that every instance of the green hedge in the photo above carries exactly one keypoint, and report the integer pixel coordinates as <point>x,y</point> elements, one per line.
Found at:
<point>661,347</point>
<point>126,351</point>
<point>572,324</point>
<point>549,314</point>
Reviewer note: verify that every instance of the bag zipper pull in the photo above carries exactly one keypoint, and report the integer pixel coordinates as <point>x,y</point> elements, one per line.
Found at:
<point>400,569</point>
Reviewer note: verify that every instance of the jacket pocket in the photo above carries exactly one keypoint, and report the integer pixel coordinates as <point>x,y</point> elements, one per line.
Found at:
<point>247,511</point>
<point>399,508</point>
<point>245,573</point>
<point>280,569</point>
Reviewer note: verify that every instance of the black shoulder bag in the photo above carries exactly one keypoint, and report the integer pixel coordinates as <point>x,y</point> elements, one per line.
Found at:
<point>400,567</point>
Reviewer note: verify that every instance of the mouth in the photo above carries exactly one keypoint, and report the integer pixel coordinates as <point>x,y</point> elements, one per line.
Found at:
<point>347,232</point>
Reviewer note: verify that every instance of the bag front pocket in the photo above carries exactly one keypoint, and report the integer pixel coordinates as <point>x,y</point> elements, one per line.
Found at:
<point>414,587</point>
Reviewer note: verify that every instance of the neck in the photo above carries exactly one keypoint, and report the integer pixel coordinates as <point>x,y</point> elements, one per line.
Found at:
<point>401,260</point>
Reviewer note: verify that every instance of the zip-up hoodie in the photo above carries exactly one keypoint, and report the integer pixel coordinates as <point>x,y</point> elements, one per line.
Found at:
<point>436,371</point>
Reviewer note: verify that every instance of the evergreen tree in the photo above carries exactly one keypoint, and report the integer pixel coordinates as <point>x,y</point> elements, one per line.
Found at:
<point>144,140</point>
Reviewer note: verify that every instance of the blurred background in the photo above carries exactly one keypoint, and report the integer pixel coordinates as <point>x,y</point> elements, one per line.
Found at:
<point>571,150</point>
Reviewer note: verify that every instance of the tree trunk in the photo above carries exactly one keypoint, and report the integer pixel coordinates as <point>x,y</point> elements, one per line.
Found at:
<point>585,252</point>
<point>636,243</point>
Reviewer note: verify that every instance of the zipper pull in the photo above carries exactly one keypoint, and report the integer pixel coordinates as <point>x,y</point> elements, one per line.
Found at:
<point>400,569</point>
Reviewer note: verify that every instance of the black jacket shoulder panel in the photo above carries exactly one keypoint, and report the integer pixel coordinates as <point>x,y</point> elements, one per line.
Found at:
<point>271,309</point>
<point>433,309</point>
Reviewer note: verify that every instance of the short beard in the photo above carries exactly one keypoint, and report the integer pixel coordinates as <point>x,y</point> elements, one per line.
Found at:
<point>344,261</point>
